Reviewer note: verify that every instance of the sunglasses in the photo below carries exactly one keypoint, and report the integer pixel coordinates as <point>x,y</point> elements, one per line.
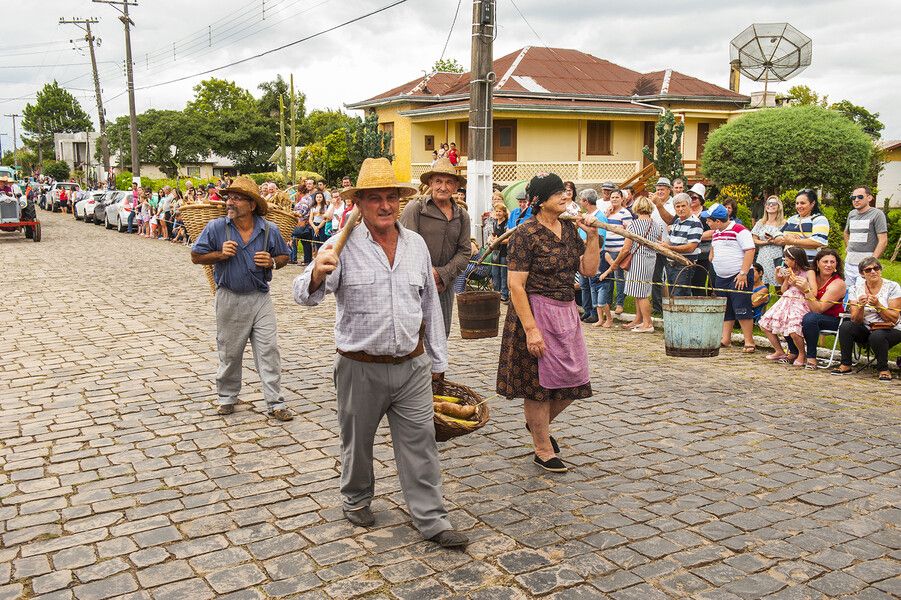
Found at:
<point>857,197</point>
<point>772,204</point>
<point>871,269</point>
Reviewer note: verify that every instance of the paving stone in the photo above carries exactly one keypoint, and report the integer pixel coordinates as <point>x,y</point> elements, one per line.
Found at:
<point>235,578</point>
<point>116,547</point>
<point>30,567</point>
<point>547,580</point>
<point>102,570</point>
<point>111,587</point>
<point>157,537</point>
<point>150,556</point>
<point>642,591</point>
<point>469,576</point>
<point>875,570</point>
<point>405,571</point>
<point>165,573</point>
<point>837,583</point>
<point>195,589</point>
<point>353,587</point>
<point>72,558</point>
<point>655,547</point>
<point>51,582</point>
<point>754,586</point>
<point>423,589</point>
<point>12,591</point>
<point>520,561</point>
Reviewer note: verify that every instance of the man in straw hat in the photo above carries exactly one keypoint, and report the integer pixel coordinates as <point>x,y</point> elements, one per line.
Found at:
<point>445,228</point>
<point>391,344</point>
<point>243,248</point>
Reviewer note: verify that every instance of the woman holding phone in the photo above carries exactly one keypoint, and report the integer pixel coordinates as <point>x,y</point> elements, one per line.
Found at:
<point>767,229</point>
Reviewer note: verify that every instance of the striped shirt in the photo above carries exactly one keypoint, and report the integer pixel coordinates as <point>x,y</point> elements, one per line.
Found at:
<point>686,232</point>
<point>815,227</point>
<point>620,218</point>
<point>729,247</point>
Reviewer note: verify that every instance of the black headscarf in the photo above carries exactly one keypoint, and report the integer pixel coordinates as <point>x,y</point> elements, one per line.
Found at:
<point>542,187</point>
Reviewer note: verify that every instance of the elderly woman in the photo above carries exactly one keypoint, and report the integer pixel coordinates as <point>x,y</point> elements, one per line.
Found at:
<point>824,291</point>
<point>875,306</point>
<point>543,355</point>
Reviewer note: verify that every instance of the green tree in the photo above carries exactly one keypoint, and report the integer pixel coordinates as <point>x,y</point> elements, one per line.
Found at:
<point>57,169</point>
<point>55,110</point>
<point>237,128</point>
<point>366,141</point>
<point>320,123</point>
<point>804,96</point>
<point>790,148</point>
<point>868,121</point>
<point>667,157</point>
<point>268,104</point>
<point>448,65</point>
<point>25,158</point>
<point>327,156</point>
<point>166,138</point>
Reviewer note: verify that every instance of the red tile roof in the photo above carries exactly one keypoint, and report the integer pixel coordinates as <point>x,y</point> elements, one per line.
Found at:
<point>555,72</point>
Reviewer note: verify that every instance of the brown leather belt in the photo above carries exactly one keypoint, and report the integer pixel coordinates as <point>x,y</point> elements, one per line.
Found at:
<point>384,360</point>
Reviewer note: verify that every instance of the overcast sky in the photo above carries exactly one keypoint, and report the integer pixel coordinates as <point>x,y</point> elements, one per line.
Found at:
<point>855,45</point>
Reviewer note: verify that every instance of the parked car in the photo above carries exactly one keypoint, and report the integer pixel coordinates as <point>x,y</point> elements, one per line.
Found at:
<point>53,195</point>
<point>100,207</point>
<point>84,209</point>
<point>117,212</point>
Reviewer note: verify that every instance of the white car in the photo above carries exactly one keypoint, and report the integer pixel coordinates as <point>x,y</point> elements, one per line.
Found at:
<point>117,212</point>
<point>84,208</point>
<point>53,195</point>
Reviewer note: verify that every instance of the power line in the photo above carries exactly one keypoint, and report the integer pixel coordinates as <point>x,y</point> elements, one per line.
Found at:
<point>272,50</point>
<point>102,62</point>
<point>453,23</point>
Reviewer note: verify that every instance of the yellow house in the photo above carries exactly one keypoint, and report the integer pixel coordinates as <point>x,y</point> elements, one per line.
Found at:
<point>889,186</point>
<point>559,110</point>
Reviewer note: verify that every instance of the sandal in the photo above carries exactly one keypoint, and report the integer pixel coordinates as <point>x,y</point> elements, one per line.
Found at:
<point>840,371</point>
<point>799,363</point>
<point>885,376</point>
<point>788,359</point>
<point>749,349</point>
<point>810,366</point>
<point>776,356</point>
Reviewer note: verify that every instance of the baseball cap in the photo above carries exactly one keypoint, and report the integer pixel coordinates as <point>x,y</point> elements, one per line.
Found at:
<point>716,211</point>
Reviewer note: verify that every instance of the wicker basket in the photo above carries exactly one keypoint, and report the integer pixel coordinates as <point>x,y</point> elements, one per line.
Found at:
<point>445,430</point>
<point>196,217</point>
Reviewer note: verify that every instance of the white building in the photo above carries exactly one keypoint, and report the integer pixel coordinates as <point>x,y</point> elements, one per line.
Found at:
<point>889,185</point>
<point>77,150</point>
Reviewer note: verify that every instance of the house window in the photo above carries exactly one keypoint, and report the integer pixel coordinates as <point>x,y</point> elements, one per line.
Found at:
<point>599,137</point>
<point>193,171</point>
<point>430,142</point>
<point>389,129</point>
<point>463,138</point>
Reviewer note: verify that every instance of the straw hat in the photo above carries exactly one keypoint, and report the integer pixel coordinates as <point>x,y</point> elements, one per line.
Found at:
<point>249,189</point>
<point>443,166</point>
<point>377,173</point>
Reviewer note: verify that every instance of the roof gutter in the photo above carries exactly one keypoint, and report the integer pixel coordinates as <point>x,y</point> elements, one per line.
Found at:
<point>524,108</point>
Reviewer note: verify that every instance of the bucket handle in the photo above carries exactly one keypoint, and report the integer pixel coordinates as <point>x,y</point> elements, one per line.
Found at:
<point>671,299</point>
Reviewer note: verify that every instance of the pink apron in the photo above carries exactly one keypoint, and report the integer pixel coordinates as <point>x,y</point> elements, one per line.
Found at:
<point>565,360</point>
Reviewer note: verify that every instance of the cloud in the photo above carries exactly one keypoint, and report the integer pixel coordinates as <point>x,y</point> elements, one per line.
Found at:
<point>854,45</point>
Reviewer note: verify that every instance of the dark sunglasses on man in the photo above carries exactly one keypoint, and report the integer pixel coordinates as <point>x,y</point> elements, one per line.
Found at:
<point>858,197</point>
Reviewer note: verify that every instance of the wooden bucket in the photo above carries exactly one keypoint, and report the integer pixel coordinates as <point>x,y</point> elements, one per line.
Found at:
<point>693,325</point>
<point>479,314</point>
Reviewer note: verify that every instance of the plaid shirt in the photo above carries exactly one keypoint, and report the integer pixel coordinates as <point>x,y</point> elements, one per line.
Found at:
<point>380,308</point>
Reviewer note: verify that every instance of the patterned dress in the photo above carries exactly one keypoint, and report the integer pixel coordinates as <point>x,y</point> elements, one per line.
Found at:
<point>785,317</point>
<point>641,271</point>
<point>552,264</point>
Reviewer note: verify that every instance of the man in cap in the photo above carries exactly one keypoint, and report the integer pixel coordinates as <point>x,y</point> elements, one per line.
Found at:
<point>243,248</point>
<point>607,188</point>
<point>663,202</point>
<point>445,228</point>
<point>391,345</point>
<point>520,213</point>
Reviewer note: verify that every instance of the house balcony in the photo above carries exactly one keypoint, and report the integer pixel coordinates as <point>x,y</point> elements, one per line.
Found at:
<point>579,172</point>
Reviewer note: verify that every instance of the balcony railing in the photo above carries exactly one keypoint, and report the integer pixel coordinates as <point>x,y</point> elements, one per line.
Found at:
<point>579,172</point>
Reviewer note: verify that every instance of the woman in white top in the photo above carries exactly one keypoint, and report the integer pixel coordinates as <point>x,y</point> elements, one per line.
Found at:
<point>764,232</point>
<point>875,306</point>
<point>318,219</point>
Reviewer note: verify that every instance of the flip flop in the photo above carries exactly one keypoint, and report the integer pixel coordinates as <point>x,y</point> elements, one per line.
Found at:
<point>799,364</point>
<point>775,356</point>
<point>840,372</point>
<point>885,377</point>
<point>749,349</point>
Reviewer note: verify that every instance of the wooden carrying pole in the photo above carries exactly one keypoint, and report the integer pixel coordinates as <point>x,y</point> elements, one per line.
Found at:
<point>613,229</point>
<point>353,219</point>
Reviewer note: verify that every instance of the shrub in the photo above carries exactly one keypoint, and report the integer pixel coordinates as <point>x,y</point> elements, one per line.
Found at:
<point>57,169</point>
<point>894,230</point>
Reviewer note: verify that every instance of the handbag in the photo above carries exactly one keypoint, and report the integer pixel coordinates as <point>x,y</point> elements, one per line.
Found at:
<point>627,262</point>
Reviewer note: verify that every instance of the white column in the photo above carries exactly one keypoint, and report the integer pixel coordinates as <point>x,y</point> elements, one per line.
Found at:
<point>479,184</point>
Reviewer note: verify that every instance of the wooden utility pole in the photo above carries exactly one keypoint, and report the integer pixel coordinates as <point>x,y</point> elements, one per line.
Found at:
<point>479,164</point>
<point>281,134</point>
<point>85,25</point>
<point>293,117</point>
<point>129,73</point>
<point>15,149</point>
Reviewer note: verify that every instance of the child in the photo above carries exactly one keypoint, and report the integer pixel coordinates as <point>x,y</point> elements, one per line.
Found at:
<point>785,317</point>
<point>761,293</point>
<point>154,223</point>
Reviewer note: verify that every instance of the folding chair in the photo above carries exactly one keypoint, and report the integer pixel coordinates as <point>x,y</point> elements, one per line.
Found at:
<point>828,364</point>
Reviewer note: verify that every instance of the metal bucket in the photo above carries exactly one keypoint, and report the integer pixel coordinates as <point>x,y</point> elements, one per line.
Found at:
<point>693,325</point>
<point>479,314</point>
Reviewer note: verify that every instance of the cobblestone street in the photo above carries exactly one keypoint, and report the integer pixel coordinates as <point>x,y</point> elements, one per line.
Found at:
<point>718,478</point>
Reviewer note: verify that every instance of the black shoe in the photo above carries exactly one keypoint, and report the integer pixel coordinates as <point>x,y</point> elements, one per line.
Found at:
<point>554,465</point>
<point>361,517</point>
<point>450,539</point>
<point>226,409</point>
<point>591,319</point>
<point>553,441</point>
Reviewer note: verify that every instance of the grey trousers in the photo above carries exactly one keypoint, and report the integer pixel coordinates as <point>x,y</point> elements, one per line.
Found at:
<point>239,318</point>
<point>446,299</point>
<point>366,393</point>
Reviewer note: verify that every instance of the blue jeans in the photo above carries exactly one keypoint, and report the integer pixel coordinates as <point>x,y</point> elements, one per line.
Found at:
<point>619,276</point>
<point>131,220</point>
<point>678,276</point>
<point>499,277</point>
<point>811,327</point>
<point>587,304</point>
<point>299,234</point>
